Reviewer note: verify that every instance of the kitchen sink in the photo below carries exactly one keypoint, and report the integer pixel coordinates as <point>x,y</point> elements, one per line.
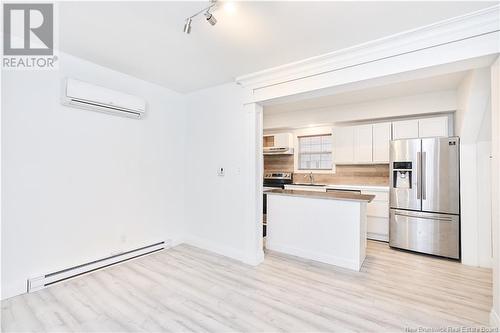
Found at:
<point>308,184</point>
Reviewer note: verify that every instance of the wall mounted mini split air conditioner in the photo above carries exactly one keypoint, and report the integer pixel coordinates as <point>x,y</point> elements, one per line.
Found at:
<point>95,98</point>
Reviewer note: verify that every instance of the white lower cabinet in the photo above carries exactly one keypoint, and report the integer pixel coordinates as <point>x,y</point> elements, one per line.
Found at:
<point>377,228</point>
<point>377,216</point>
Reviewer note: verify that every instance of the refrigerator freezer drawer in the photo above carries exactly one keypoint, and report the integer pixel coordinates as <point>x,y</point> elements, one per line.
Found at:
<point>430,233</point>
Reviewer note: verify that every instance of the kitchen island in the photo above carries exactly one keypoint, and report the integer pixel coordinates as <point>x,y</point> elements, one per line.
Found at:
<point>329,227</point>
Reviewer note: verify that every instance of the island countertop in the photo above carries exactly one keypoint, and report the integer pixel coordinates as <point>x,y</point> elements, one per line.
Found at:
<point>345,196</point>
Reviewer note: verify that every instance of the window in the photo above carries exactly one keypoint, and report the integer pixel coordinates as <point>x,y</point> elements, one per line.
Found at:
<point>315,152</point>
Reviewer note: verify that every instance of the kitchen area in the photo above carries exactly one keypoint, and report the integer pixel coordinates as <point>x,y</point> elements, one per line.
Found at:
<point>330,188</point>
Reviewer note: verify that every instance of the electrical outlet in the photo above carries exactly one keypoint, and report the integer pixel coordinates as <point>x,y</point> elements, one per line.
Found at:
<point>221,172</point>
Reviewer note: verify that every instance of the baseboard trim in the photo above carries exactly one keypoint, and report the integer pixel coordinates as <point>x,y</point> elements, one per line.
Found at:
<point>176,241</point>
<point>255,260</point>
<point>377,237</point>
<point>494,319</point>
<point>216,248</point>
<point>331,260</point>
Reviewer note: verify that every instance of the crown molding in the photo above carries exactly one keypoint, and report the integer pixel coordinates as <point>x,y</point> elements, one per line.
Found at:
<point>467,26</point>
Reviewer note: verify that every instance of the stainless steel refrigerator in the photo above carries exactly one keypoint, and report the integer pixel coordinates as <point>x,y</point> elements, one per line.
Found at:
<point>425,196</point>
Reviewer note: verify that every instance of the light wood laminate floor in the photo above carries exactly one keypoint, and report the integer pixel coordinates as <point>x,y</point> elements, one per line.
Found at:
<point>188,289</point>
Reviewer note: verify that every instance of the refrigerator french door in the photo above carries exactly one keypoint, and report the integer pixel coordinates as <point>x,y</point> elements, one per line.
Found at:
<point>425,196</point>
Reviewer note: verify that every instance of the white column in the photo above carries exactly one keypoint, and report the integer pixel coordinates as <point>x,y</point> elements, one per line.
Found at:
<point>468,204</point>
<point>495,189</point>
<point>473,96</point>
<point>254,175</point>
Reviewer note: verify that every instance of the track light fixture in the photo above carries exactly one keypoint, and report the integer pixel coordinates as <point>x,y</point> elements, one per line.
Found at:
<point>208,15</point>
<point>210,18</point>
<point>187,25</point>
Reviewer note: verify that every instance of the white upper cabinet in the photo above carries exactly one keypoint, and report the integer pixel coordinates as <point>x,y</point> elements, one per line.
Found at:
<point>282,140</point>
<point>405,129</point>
<point>363,144</point>
<point>344,145</point>
<point>355,145</point>
<point>420,128</point>
<point>381,142</point>
<point>436,126</point>
<point>369,144</point>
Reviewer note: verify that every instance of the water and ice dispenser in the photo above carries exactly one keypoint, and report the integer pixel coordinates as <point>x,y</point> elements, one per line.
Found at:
<point>402,174</point>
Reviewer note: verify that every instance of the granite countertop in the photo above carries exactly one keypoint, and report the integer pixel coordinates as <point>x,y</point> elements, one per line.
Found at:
<point>346,196</point>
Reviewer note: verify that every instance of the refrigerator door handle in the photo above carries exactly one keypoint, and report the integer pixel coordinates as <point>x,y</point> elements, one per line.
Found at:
<point>423,179</point>
<point>434,218</point>
<point>419,166</point>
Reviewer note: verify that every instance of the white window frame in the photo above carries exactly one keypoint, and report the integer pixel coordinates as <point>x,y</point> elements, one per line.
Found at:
<point>315,131</point>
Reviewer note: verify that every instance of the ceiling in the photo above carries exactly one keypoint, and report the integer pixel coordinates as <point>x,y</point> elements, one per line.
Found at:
<point>145,39</point>
<point>399,89</point>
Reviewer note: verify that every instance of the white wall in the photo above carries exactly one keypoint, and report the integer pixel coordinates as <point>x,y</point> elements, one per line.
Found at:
<point>473,96</point>
<point>441,101</point>
<point>81,185</point>
<point>216,207</point>
<point>471,121</point>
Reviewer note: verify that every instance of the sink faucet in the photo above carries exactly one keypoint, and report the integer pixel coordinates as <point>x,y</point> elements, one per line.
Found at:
<point>311,177</point>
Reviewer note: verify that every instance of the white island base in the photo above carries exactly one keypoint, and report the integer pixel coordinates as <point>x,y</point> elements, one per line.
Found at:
<point>324,229</point>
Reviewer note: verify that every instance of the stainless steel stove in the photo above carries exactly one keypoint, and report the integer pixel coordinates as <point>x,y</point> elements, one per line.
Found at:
<point>277,179</point>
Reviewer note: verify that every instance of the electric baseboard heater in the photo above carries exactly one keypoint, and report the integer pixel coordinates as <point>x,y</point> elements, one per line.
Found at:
<point>46,280</point>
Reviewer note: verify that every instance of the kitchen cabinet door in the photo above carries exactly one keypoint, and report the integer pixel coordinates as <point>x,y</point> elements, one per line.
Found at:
<point>377,216</point>
<point>405,129</point>
<point>431,127</point>
<point>283,140</point>
<point>344,145</point>
<point>377,228</point>
<point>363,144</point>
<point>381,142</point>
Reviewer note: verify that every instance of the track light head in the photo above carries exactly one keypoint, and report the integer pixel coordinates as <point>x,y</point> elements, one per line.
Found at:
<point>206,11</point>
<point>187,26</point>
<point>210,18</point>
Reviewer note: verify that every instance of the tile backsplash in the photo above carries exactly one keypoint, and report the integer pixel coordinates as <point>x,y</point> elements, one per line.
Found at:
<point>278,163</point>
<point>359,174</point>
